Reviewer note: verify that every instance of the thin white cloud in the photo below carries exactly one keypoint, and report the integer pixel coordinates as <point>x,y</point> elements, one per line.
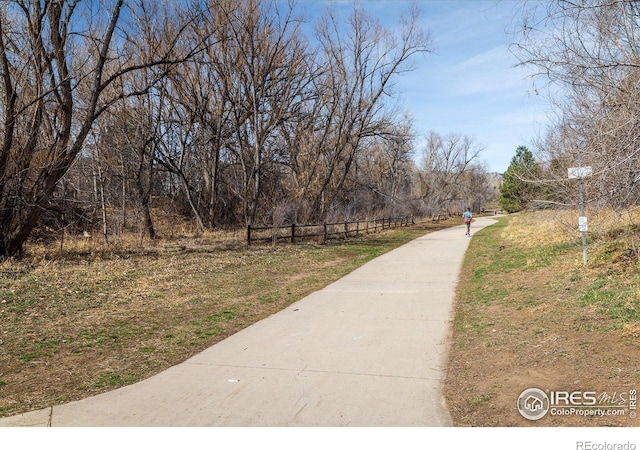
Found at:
<point>489,71</point>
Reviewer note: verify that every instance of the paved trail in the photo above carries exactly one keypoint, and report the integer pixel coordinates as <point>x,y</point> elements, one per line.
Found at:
<point>367,350</point>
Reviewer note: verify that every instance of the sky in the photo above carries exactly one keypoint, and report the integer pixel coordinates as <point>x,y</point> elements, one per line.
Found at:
<point>469,84</point>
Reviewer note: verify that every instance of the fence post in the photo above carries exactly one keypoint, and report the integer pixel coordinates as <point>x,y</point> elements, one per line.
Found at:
<point>324,238</point>
<point>249,235</point>
<point>293,233</point>
<point>346,229</point>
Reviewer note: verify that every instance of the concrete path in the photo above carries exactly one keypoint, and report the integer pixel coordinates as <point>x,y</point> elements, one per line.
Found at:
<point>367,350</point>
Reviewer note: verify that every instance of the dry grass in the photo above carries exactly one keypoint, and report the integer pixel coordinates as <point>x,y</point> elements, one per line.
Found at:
<point>555,227</point>
<point>82,318</point>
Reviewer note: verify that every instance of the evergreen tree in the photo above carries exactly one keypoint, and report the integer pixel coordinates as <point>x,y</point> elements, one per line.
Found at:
<point>517,189</point>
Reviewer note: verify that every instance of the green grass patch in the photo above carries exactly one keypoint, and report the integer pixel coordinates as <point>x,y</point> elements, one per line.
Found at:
<point>108,379</point>
<point>222,316</point>
<point>480,400</point>
<point>615,299</point>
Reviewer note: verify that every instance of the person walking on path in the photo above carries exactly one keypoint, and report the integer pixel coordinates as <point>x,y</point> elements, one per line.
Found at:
<point>467,221</point>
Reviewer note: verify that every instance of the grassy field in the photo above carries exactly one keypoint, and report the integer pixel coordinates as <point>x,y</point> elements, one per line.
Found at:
<point>82,320</point>
<point>529,314</point>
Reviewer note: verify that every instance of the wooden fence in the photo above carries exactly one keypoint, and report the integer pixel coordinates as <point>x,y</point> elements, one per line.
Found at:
<point>325,231</point>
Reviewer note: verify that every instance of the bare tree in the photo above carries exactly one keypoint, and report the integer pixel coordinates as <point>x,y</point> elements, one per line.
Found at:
<point>130,137</point>
<point>223,106</point>
<point>178,152</point>
<point>270,72</point>
<point>62,66</point>
<point>362,60</point>
<point>590,52</point>
<point>447,162</point>
<point>382,177</point>
<point>201,97</point>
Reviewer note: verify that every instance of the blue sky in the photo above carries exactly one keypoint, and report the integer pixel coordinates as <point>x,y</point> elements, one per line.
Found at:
<point>469,84</point>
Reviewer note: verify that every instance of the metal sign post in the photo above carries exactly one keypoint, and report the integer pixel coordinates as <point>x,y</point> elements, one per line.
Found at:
<point>580,173</point>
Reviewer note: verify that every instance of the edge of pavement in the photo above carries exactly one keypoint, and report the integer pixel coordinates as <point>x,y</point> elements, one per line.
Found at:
<point>367,350</point>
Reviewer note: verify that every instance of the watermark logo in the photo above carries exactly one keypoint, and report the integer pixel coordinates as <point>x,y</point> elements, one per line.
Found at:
<point>533,404</point>
<point>588,445</point>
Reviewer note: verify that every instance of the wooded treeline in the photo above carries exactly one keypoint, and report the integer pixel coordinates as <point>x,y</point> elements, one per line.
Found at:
<point>226,113</point>
<point>587,59</point>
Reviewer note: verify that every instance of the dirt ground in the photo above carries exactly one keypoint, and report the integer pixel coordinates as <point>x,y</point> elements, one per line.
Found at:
<point>487,374</point>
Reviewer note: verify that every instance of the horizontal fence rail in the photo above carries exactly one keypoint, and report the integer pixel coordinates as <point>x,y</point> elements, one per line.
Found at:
<point>323,232</point>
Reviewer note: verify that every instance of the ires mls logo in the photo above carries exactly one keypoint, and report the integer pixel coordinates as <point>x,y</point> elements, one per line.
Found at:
<point>534,403</point>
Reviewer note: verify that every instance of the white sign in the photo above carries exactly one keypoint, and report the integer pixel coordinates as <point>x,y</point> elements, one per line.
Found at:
<point>579,172</point>
<point>582,223</point>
